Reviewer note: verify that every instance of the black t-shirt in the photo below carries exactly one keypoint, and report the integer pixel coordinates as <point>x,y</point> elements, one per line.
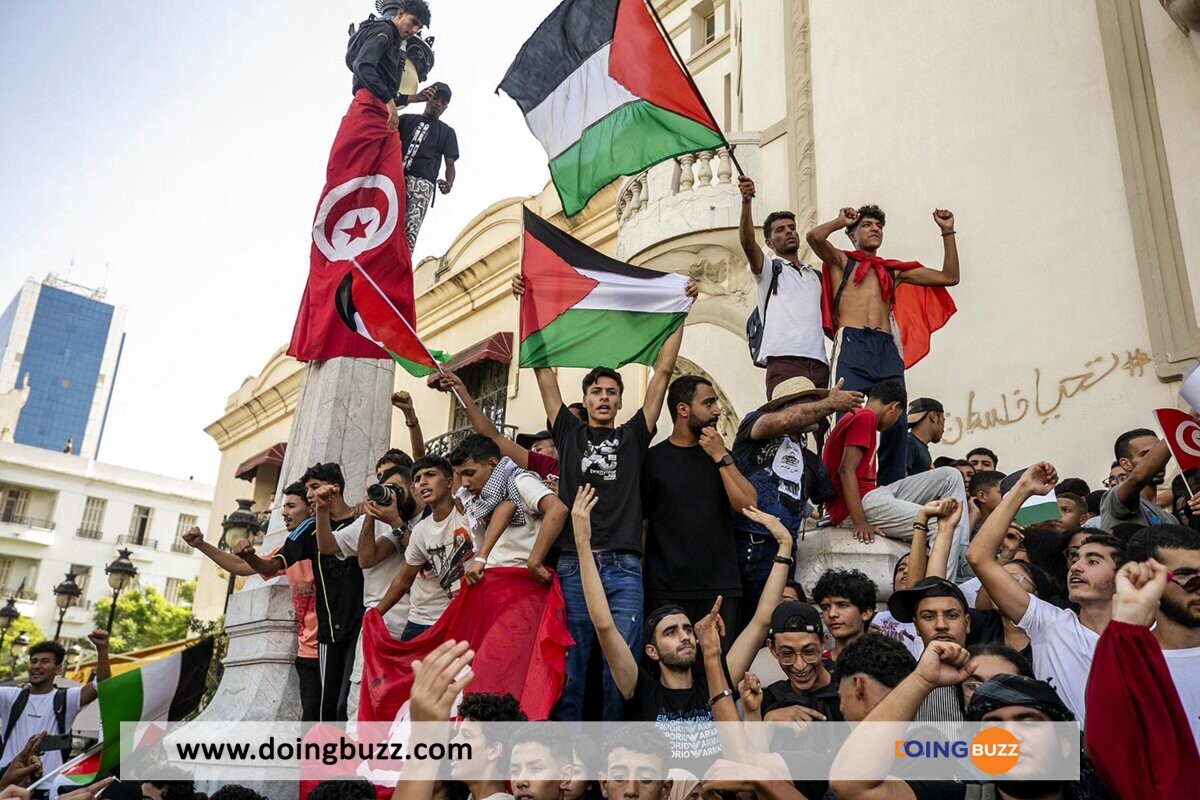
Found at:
<point>825,700</point>
<point>610,459</point>
<point>338,583</point>
<point>690,552</point>
<point>919,460</point>
<point>671,708</point>
<point>426,142</point>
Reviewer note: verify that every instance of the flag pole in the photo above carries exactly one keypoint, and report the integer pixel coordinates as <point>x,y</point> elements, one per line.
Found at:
<point>396,311</point>
<point>691,82</point>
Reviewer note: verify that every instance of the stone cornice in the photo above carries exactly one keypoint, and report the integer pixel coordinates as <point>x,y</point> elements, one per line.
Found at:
<point>272,405</point>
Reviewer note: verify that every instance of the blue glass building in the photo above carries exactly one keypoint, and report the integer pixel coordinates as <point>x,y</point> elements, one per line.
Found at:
<point>67,352</point>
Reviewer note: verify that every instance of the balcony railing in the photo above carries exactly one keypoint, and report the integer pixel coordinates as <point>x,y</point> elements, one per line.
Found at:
<point>28,522</point>
<point>129,538</point>
<point>442,445</point>
<point>89,533</point>
<point>181,547</point>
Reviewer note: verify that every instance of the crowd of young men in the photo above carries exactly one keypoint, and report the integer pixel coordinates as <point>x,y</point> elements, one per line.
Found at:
<point>676,559</point>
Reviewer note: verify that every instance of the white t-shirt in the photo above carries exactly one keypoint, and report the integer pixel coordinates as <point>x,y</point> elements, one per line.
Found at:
<point>793,318</point>
<point>903,632</point>
<point>516,543</point>
<point>1185,671</point>
<point>441,550</point>
<point>38,717</point>
<point>376,579</point>
<point>1062,651</point>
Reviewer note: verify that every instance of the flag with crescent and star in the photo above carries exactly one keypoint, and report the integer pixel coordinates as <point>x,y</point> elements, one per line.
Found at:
<point>360,216</point>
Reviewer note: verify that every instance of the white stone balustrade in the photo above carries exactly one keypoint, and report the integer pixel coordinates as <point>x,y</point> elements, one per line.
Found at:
<point>688,193</point>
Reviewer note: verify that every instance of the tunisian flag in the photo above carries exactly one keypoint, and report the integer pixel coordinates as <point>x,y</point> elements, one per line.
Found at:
<point>516,626</point>
<point>360,215</point>
<point>1183,436</point>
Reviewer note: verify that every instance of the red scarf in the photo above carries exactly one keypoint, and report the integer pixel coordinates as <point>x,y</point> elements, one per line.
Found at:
<point>919,310</point>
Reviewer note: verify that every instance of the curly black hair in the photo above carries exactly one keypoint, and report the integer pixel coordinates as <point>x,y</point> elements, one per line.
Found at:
<point>342,790</point>
<point>850,584</point>
<point>484,707</point>
<point>886,660</point>
<point>871,210</point>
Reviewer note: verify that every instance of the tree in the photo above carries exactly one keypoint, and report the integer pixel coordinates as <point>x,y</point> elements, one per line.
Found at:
<point>144,618</point>
<point>20,625</point>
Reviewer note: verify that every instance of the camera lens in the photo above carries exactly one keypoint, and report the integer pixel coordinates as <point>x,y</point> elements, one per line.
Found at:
<point>380,494</point>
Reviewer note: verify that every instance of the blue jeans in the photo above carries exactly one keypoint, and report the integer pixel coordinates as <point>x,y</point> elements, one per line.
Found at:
<point>412,630</point>
<point>756,559</point>
<point>621,575</point>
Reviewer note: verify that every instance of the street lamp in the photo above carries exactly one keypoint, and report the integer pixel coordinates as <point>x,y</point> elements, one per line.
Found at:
<point>65,594</point>
<point>17,650</point>
<point>120,574</point>
<point>239,526</point>
<point>8,615</point>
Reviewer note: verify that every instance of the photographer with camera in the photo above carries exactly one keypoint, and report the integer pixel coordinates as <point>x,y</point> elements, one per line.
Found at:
<point>377,539</point>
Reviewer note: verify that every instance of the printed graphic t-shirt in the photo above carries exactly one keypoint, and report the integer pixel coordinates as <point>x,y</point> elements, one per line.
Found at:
<point>610,459</point>
<point>441,550</point>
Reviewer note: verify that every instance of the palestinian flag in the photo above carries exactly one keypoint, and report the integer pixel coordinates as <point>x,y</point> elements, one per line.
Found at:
<point>584,309</point>
<point>601,90</point>
<point>365,309</point>
<point>1039,508</point>
<point>165,690</point>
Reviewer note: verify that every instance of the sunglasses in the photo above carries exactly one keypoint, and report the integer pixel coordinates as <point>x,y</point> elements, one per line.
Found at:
<point>1189,583</point>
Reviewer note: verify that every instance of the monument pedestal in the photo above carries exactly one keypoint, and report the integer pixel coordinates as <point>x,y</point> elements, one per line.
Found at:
<point>344,415</point>
<point>836,548</point>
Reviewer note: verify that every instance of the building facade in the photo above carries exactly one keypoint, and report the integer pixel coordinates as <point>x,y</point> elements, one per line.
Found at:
<point>1060,134</point>
<point>60,346</point>
<point>61,513</point>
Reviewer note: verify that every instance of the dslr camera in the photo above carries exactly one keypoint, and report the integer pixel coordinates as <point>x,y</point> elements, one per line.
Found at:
<point>389,494</point>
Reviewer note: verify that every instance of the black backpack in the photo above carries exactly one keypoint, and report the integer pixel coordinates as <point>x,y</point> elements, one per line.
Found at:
<point>756,323</point>
<point>18,708</point>
<point>360,33</point>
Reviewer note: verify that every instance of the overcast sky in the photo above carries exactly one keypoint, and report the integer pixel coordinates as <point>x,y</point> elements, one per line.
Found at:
<point>177,159</point>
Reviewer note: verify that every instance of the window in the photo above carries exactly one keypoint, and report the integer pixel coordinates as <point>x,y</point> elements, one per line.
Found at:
<point>703,27</point>
<point>186,523</point>
<point>81,572</point>
<point>92,525</point>
<point>139,526</point>
<point>6,565</point>
<point>15,501</point>
<point>709,26</point>
<point>487,381</point>
<point>171,591</point>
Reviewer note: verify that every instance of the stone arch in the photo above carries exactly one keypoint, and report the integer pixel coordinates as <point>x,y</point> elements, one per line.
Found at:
<point>727,425</point>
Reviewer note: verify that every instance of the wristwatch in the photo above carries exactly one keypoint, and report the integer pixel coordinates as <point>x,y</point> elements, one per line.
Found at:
<point>726,461</point>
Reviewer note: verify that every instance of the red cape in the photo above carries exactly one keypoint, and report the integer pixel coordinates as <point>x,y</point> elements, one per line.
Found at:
<point>919,310</point>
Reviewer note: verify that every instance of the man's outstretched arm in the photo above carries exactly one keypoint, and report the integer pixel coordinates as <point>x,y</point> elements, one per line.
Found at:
<point>664,365</point>
<point>948,276</point>
<point>480,422</point>
<point>754,254</point>
<point>818,237</point>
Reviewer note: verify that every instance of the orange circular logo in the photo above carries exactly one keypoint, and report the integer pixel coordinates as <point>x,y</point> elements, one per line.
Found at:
<point>995,751</point>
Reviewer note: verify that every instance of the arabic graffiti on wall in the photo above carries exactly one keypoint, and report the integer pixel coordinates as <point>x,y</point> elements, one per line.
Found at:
<point>1046,399</point>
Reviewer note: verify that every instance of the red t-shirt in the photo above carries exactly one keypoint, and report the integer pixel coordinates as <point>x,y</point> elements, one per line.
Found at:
<point>856,429</point>
<point>545,466</point>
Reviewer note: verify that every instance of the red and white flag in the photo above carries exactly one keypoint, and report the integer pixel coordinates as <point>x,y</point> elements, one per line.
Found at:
<point>360,215</point>
<point>1182,432</point>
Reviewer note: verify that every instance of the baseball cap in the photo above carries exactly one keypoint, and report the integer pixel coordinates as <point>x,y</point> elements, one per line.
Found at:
<point>918,408</point>
<point>903,604</point>
<point>442,89</point>
<point>1003,691</point>
<point>795,617</point>
<point>792,390</point>
<point>526,440</point>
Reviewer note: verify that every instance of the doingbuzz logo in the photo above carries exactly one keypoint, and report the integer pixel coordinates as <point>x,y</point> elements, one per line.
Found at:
<point>993,751</point>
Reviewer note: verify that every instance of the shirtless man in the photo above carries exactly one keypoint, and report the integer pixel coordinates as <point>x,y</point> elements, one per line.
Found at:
<point>859,304</point>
